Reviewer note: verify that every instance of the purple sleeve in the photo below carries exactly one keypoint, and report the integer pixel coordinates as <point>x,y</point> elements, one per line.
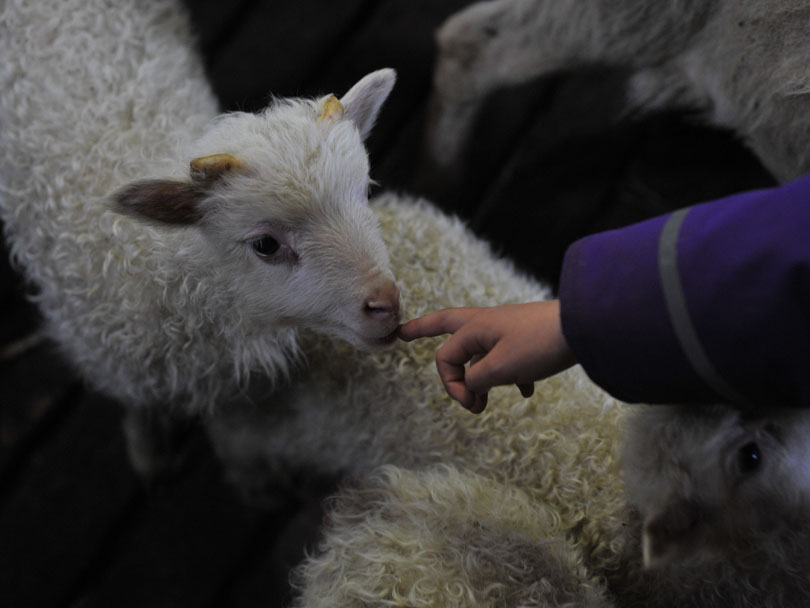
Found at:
<point>709,304</point>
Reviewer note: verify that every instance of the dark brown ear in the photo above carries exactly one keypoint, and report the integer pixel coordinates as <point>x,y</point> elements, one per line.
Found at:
<point>162,201</point>
<point>174,202</point>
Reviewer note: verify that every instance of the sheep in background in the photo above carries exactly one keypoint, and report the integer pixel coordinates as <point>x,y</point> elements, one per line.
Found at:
<point>743,64</point>
<point>714,481</point>
<point>241,230</point>
<point>722,516</point>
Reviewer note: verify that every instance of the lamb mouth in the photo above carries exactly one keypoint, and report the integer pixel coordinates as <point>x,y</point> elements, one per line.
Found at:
<point>379,342</point>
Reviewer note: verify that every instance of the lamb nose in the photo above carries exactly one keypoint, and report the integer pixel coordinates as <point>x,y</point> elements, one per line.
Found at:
<point>383,305</point>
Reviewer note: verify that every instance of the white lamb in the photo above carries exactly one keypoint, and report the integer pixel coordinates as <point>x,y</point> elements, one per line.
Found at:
<point>722,516</point>
<point>743,64</point>
<point>248,228</point>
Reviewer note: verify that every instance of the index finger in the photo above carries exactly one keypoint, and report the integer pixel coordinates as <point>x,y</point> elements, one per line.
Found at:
<point>446,321</point>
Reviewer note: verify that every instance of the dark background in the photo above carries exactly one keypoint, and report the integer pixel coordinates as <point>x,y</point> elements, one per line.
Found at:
<point>550,161</point>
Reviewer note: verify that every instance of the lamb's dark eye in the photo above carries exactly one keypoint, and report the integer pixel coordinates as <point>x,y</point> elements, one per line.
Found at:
<point>265,246</point>
<point>749,458</point>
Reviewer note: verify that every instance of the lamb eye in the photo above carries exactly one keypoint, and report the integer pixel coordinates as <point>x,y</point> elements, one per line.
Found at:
<point>749,458</point>
<point>265,246</point>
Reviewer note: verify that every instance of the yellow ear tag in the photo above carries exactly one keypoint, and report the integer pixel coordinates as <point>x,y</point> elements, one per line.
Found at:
<point>211,167</point>
<point>332,109</point>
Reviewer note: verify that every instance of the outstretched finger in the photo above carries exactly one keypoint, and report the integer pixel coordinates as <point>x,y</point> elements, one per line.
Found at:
<point>446,321</point>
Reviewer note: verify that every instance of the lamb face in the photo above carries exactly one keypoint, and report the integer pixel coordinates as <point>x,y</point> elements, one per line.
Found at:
<point>711,481</point>
<point>279,204</point>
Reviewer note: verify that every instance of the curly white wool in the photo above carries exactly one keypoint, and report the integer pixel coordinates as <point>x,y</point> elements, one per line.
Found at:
<point>76,125</point>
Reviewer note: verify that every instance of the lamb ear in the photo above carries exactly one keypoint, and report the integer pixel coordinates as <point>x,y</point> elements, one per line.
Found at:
<point>363,101</point>
<point>174,202</point>
<point>160,201</point>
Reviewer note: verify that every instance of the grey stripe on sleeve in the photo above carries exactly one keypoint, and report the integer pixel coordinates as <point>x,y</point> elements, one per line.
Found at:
<point>679,313</point>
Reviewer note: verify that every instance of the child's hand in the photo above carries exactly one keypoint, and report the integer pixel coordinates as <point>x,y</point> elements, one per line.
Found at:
<point>514,344</point>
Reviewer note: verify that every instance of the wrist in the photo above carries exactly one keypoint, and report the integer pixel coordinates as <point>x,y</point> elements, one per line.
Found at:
<point>565,355</point>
